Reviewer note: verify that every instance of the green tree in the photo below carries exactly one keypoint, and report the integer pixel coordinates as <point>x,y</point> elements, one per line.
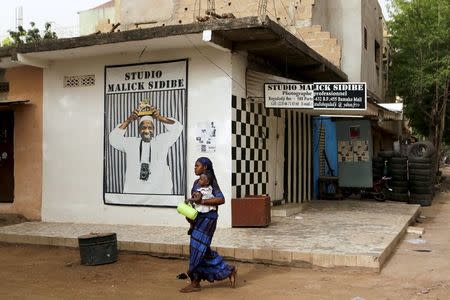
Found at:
<point>421,63</point>
<point>32,35</point>
<point>49,34</point>
<point>7,41</point>
<point>18,36</point>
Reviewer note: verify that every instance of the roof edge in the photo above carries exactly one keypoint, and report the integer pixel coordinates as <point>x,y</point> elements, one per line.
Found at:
<point>131,35</point>
<point>172,30</point>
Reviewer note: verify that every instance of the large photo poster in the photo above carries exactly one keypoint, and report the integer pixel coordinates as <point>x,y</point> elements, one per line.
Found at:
<point>145,136</point>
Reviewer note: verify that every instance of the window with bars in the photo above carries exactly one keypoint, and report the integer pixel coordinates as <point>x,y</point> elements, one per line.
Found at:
<point>365,38</point>
<point>4,87</point>
<point>377,52</point>
<point>377,59</point>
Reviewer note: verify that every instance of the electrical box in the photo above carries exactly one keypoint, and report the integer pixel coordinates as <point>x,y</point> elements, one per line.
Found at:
<point>354,147</point>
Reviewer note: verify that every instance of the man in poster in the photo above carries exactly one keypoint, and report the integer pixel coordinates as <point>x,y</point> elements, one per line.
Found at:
<point>147,171</point>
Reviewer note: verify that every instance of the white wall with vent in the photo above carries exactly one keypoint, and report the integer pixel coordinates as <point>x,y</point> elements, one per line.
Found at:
<point>73,135</point>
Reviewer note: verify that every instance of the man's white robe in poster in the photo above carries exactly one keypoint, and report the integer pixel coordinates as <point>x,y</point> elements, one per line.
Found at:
<point>160,178</point>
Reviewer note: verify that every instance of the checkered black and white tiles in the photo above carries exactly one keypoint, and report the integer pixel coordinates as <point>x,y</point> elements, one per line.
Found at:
<point>249,148</point>
<point>250,151</point>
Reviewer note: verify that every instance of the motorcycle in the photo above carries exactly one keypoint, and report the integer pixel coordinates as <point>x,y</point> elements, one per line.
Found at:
<point>378,191</point>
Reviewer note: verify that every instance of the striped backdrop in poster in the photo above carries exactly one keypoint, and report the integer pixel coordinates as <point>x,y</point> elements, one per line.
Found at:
<point>137,172</point>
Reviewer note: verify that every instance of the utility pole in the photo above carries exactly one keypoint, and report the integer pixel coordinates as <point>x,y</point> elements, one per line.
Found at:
<point>262,9</point>
<point>19,16</point>
<point>210,7</point>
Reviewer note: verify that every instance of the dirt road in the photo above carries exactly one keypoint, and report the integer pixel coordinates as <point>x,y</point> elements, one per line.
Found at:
<point>416,271</point>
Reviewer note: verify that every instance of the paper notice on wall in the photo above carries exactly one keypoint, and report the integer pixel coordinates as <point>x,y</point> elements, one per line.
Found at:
<point>360,151</point>
<point>345,153</point>
<point>205,137</point>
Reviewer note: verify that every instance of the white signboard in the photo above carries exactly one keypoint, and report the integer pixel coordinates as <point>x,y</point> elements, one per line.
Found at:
<point>340,95</point>
<point>318,95</point>
<point>289,95</point>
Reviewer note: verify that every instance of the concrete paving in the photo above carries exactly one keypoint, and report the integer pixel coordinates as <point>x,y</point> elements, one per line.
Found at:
<point>287,210</point>
<point>359,234</point>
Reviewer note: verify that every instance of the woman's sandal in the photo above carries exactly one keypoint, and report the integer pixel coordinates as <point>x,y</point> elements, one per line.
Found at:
<point>182,276</point>
<point>233,277</point>
<point>190,288</point>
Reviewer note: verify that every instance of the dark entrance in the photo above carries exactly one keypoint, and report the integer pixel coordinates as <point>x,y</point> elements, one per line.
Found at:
<point>6,156</point>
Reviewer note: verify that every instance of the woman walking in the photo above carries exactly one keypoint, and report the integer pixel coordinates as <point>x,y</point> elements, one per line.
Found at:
<point>204,263</point>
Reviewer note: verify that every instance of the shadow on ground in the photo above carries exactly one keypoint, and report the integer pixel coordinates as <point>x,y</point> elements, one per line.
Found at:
<point>11,219</point>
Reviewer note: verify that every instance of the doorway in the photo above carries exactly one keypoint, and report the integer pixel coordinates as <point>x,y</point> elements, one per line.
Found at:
<point>298,162</point>
<point>6,156</point>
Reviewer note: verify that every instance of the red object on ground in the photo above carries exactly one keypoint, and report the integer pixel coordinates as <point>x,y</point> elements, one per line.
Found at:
<point>250,211</point>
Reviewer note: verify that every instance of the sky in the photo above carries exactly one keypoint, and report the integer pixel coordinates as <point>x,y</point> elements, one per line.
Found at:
<point>383,6</point>
<point>63,13</point>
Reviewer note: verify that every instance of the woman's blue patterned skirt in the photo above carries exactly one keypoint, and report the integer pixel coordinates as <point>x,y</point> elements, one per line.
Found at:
<point>204,263</point>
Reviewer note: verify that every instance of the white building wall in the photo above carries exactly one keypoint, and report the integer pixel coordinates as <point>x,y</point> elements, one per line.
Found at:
<point>73,137</point>
<point>372,20</point>
<point>342,18</point>
<point>346,20</point>
<point>89,19</point>
<point>239,66</point>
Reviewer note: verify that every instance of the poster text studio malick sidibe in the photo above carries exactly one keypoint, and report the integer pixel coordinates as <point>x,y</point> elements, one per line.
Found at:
<point>138,81</point>
<point>144,86</point>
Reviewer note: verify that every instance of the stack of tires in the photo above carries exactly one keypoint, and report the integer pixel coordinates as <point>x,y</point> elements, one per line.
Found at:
<point>378,167</point>
<point>392,164</point>
<point>398,171</point>
<point>421,173</point>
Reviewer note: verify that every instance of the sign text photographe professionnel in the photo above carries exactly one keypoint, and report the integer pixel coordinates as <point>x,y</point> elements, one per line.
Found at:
<point>323,95</point>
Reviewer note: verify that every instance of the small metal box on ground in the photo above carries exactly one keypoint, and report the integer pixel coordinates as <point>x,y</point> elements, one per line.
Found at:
<point>98,248</point>
<point>250,211</point>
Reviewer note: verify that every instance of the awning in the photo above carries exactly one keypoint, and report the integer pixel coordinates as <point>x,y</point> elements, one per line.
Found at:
<point>6,103</point>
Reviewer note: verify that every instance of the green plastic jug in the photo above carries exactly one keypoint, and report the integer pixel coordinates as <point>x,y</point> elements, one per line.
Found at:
<point>187,210</point>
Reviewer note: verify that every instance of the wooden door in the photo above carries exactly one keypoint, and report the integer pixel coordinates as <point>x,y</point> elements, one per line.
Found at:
<point>6,156</point>
<point>276,158</point>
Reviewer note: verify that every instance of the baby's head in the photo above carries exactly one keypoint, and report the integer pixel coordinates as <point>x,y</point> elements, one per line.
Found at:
<point>205,179</point>
<point>196,193</point>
